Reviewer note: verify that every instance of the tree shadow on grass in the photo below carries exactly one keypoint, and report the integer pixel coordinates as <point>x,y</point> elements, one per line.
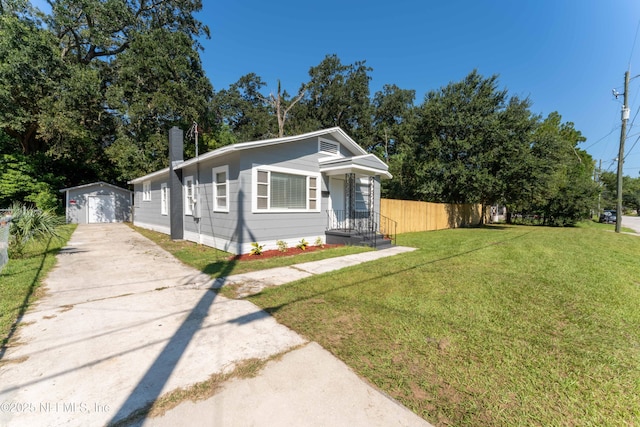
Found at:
<point>25,301</point>
<point>274,309</point>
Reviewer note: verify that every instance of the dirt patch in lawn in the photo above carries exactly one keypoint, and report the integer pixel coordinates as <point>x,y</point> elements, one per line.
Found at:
<point>275,253</point>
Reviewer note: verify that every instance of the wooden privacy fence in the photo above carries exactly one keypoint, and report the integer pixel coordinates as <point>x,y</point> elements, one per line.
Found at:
<point>424,216</point>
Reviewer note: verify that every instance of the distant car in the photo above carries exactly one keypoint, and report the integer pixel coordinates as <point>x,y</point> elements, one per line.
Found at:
<point>608,217</point>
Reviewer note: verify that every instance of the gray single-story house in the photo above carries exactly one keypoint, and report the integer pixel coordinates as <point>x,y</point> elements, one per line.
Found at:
<point>317,185</point>
<point>98,202</point>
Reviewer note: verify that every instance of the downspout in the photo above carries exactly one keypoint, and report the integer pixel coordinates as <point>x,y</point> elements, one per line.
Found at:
<point>176,199</point>
<point>198,212</point>
<point>66,207</point>
<point>196,209</point>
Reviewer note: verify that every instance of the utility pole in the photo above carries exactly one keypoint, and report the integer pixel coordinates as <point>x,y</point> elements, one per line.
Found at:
<point>623,131</point>
<point>598,181</point>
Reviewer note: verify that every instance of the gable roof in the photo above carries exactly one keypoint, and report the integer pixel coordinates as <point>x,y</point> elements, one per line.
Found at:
<point>336,132</point>
<point>99,183</point>
<point>367,164</point>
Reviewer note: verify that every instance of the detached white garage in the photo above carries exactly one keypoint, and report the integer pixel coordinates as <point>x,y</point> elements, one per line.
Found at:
<point>97,203</point>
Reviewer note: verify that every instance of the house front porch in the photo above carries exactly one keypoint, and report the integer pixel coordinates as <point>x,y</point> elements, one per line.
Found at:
<point>360,228</point>
<point>354,186</point>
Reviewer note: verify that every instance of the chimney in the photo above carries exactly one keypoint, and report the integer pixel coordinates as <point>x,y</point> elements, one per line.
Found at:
<point>176,156</point>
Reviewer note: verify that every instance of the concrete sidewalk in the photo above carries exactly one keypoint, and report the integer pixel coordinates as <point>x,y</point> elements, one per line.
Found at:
<point>123,323</point>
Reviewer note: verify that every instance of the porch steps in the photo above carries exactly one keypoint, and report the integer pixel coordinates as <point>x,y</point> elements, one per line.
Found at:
<point>356,239</point>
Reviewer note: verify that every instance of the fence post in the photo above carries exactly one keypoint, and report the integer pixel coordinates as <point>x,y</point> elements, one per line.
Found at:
<point>5,225</point>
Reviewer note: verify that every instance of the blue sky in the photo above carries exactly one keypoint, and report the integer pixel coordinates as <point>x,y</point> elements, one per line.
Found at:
<point>564,55</point>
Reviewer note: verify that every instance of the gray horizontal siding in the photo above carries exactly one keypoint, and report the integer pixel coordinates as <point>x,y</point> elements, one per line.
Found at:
<point>241,226</point>
<point>78,212</point>
<point>149,212</point>
<point>264,226</point>
<point>343,150</point>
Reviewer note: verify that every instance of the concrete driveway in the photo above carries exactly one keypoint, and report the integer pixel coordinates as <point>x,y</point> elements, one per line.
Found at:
<point>123,323</point>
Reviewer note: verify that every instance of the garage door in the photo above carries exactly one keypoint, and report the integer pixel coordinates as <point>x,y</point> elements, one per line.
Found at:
<point>101,209</point>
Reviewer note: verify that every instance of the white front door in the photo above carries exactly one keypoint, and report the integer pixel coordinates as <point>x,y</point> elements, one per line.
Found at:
<point>101,209</point>
<point>336,202</point>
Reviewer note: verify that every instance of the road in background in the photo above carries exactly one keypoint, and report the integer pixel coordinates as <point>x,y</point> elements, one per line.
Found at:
<point>632,222</point>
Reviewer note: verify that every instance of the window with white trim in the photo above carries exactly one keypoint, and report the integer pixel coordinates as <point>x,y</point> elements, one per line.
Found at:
<point>146,191</point>
<point>362,194</point>
<point>284,190</point>
<point>164,199</point>
<point>221,189</point>
<point>189,195</point>
<point>313,193</point>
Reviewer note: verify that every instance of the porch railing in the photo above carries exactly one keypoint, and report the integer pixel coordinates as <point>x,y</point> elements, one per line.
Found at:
<point>369,225</point>
<point>388,228</point>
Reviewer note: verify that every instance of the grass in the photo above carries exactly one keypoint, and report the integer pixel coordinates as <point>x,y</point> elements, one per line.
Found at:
<point>214,262</point>
<point>504,325</point>
<point>21,278</point>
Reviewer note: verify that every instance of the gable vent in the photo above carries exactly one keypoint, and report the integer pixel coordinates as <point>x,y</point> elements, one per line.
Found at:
<point>329,147</point>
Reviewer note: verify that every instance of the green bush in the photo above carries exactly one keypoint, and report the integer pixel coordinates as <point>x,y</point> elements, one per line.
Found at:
<point>44,197</point>
<point>29,223</point>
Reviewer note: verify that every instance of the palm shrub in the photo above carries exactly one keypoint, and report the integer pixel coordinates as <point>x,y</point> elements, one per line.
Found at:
<point>29,223</point>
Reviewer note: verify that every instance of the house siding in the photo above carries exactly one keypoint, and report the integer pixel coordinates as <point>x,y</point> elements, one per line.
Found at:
<point>268,227</point>
<point>234,230</point>
<point>147,213</point>
<point>344,151</point>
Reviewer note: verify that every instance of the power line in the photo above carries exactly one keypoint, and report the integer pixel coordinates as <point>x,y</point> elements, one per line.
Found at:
<point>633,46</point>
<point>631,149</point>
<point>612,130</point>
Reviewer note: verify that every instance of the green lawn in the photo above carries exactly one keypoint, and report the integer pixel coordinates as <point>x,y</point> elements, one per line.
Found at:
<point>504,325</point>
<point>21,277</point>
<point>213,262</point>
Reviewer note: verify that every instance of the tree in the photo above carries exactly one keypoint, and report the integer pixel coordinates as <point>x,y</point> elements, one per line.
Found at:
<point>631,193</point>
<point>245,110</point>
<point>30,72</point>
<point>338,95</point>
<point>281,106</point>
<point>393,117</point>
<point>458,142</point>
<point>96,82</point>
<point>563,189</point>
<point>515,163</point>
<point>609,190</point>
<point>158,82</point>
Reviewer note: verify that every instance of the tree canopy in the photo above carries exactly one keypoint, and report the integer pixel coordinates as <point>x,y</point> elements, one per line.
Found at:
<point>98,83</point>
<point>89,91</point>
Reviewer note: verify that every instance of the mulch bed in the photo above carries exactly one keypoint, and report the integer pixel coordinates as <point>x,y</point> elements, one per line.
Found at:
<point>276,253</point>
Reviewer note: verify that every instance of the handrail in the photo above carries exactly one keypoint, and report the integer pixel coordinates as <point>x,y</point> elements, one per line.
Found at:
<point>363,223</point>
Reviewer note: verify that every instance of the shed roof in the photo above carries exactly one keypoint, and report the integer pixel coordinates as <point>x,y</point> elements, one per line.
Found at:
<point>99,183</point>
